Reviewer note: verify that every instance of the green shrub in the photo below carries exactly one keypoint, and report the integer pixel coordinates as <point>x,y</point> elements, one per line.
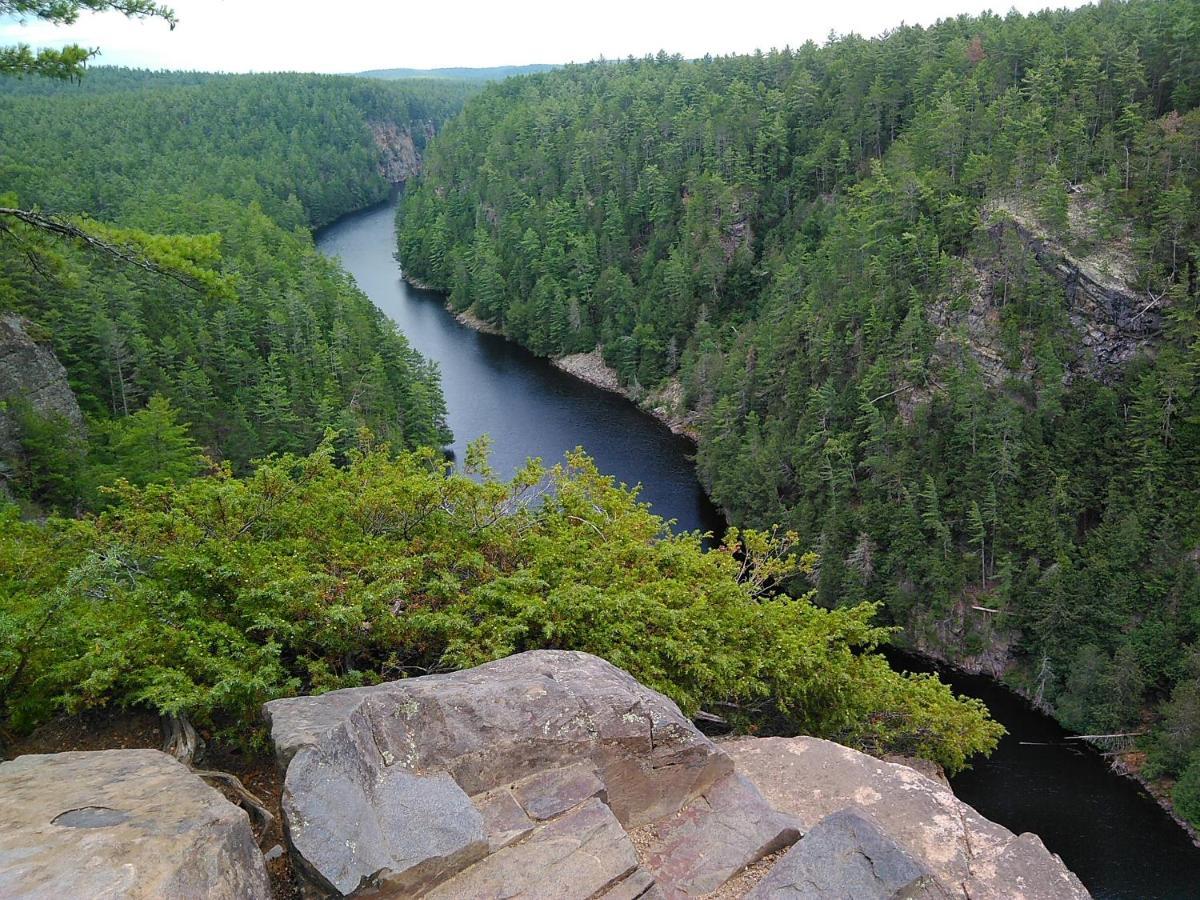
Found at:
<point>207,597</point>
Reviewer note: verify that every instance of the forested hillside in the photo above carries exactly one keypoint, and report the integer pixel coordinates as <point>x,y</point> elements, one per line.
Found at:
<point>256,342</point>
<point>931,299</point>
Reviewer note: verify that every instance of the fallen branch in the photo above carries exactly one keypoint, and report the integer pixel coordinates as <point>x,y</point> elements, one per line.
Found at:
<point>1154,301</point>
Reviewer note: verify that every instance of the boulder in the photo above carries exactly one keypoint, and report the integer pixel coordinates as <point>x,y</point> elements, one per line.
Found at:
<point>31,373</point>
<point>847,857</point>
<point>122,824</point>
<point>553,774</point>
<point>969,855</point>
<point>379,781</point>
<point>353,821</point>
<point>714,837</point>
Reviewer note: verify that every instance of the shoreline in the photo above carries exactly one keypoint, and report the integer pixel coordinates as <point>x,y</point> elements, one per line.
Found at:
<point>592,368</point>
<point>417,283</point>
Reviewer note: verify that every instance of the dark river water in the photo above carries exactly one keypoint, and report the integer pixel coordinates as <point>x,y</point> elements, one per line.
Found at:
<point>528,407</point>
<point>1106,829</point>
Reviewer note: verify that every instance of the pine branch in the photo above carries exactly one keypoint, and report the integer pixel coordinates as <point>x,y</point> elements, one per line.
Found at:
<point>63,228</point>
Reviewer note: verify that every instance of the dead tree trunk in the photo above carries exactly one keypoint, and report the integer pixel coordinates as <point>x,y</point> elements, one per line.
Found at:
<point>180,739</point>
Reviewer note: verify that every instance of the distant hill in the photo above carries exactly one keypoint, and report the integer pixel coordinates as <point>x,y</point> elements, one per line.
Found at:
<point>490,73</point>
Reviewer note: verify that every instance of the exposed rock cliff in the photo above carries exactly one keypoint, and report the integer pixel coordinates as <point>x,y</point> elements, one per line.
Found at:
<point>30,374</point>
<point>400,149</point>
<point>665,403</point>
<point>553,774</point>
<point>1113,322</point>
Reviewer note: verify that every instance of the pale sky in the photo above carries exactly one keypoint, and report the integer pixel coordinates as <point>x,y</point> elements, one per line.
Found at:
<point>353,35</point>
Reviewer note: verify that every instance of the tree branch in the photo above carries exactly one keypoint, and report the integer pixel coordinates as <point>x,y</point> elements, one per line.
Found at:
<point>63,228</point>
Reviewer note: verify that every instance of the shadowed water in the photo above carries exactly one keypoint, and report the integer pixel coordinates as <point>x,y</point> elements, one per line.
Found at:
<point>1106,828</point>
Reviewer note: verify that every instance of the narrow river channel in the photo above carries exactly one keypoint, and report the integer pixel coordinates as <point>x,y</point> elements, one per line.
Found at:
<point>1108,830</point>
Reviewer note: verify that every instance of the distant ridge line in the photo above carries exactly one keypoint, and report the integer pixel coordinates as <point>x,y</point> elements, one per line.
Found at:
<point>483,73</point>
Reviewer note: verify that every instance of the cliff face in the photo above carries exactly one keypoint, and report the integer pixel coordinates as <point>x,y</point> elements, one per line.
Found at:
<point>30,374</point>
<point>400,157</point>
<point>1108,323</point>
<point>1113,322</point>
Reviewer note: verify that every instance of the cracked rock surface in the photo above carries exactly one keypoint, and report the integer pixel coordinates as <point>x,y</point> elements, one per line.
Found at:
<point>553,775</point>
<point>847,855</point>
<point>130,824</point>
<point>402,786</point>
<point>971,857</point>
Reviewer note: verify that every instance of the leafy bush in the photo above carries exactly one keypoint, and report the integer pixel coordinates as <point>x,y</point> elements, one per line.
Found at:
<point>208,597</point>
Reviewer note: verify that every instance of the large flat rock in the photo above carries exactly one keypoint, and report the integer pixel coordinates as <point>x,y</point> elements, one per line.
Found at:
<point>354,822</point>
<point>969,855</point>
<point>847,857</point>
<point>122,824</point>
<point>505,720</point>
<point>715,837</point>
<point>379,784</point>
<point>576,856</point>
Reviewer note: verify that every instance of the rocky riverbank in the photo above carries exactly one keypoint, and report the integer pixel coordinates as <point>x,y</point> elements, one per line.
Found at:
<point>665,403</point>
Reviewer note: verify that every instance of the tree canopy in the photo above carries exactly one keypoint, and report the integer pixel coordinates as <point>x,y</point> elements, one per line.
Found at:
<point>256,340</point>
<point>207,598</point>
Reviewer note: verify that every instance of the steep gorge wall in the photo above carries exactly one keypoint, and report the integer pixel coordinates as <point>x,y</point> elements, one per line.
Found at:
<point>1108,323</point>
<point>1112,322</point>
<point>32,376</point>
<point>400,148</point>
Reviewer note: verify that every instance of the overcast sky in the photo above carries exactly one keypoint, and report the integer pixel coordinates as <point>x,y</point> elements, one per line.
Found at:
<point>353,35</point>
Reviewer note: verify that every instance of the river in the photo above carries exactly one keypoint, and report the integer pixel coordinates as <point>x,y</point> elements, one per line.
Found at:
<point>1106,828</point>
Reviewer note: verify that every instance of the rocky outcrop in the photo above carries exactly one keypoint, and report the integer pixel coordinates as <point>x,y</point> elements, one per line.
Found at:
<point>553,774</point>
<point>847,855</point>
<point>122,824</point>
<point>969,856</point>
<point>455,782</point>
<point>665,404</point>
<point>715,837</point>
<point>30,374</point>
<point>1113,322</point>
<point>399,155</point>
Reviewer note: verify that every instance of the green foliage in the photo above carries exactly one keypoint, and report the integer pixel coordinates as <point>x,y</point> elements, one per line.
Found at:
<point>49,468</point>
<point>150,446</point>
<point>210,596</point>
<point>1186,795</point>
<point>829,250</point>
<point>69,62</point>
<point>258,342</point>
